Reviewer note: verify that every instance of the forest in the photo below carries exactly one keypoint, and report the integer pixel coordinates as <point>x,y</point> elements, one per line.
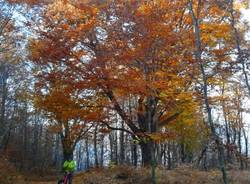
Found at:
<point>134,91</point>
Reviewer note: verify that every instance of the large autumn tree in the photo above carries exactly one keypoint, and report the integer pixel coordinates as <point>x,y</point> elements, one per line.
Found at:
<point>102,54</point>
<point>121,51</point>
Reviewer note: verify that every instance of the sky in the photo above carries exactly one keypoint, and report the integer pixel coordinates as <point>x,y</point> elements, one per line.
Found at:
<point>246,16</point>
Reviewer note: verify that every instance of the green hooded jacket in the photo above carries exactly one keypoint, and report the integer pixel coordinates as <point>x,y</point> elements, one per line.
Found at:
<point>69,165</point>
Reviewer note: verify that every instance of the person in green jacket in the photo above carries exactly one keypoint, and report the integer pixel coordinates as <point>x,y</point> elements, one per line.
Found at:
<point>69,166</point>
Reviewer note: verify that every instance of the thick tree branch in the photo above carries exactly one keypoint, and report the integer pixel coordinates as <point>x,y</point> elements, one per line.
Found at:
<point>169,119</point>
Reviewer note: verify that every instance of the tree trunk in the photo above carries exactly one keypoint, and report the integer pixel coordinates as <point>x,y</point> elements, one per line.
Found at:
<point>146,153</point>
<point>153,164</point>
<point>160,152</point>
<point>102,151</point>
<point>87,152</point>
<point>165,155</point>
<point>134,155</point>
<point>67,144</point>
<point>237,40</point>
<point>116,148</point>
<point>240,149</point>
<point>57,151</point>
<point>198,57</point>
<point>35,139</point>
<point>67,153</point>
<point>183,155</point>
<point>229,159</point>
<point>111,147</point>
<point>95,148</point>
<point>246,147</point>
<point>122,146</point>
<point>6,139</point>
<point>169,156</point>
<point>4,92</point>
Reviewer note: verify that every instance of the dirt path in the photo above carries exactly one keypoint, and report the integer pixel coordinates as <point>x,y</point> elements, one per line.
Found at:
<point>43,182</point>
<point>52,180</point>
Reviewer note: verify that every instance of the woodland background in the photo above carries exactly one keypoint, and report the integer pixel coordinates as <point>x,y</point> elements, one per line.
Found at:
<point>121,84</point>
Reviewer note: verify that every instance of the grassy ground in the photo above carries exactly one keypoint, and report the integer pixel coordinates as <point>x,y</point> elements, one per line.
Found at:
<point>8,174</point>
<point>128,175</point>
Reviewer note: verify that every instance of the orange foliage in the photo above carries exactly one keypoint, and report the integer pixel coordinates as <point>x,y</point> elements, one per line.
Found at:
<point>91,58</point>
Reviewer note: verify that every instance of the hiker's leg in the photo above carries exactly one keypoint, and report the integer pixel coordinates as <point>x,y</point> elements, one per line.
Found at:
<point>70,177</point>
<point>60,182</point>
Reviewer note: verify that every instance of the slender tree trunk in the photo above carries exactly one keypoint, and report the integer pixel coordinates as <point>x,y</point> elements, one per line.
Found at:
<point>95,148</point>
<point>237,40</point>
<point>111,147</point>
<point>4,92</point>
<point>240,149</point>
<point>175,156</point>
<point>165,155</point>
<point>198,54</point>
<point>102,151</point>
<point>160,152</point>
<point>25,140</point>
<point>183,155</point>
<point>169,156</point>
<point>240,57</point>
<point>57,151</point>
<point>203,156</point>
<point>122,146</point>
<point>234,135</point>
<point>239,138</point>
<point>135,155</point>
<point>153,163</point>
<point>205,160</point>
<point>246,147</point>
<point>79,157</point>
<point>87,152</point>
<point>35,139</point>
<point>229,159</point>
<point>6,139</point>
<point>7,135</point>
<point>116,147</point>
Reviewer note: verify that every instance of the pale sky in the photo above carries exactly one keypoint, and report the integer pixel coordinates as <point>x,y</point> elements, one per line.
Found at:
<point>246,13</point>
<point>246,17</point>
